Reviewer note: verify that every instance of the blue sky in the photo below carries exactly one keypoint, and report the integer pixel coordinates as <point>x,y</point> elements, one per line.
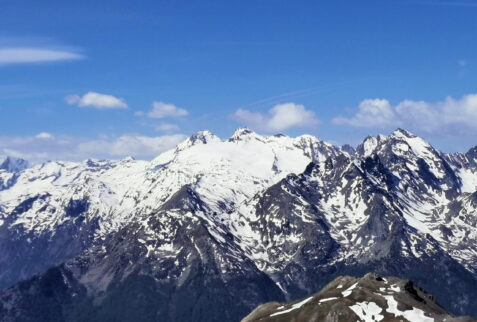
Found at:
<point>106,79</point>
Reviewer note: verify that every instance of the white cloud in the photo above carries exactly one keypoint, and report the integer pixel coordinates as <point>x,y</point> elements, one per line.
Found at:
<point>44,136</point>
<point>39,148</point>
<point>161,110</point>
<point>167,127</point>
<point>96,100</point>
<point>432,117</point>
<point>25,55</point>
<point>131,144</point>
<point>72,99</point>
<point>279,118</point>
<point>375,113</point>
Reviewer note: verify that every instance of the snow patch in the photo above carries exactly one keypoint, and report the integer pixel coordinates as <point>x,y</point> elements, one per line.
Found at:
<point>294,306</point>
<point>414,315</point>
<point>328,299</point>
<point>367,311</point>
<point>349,290</point>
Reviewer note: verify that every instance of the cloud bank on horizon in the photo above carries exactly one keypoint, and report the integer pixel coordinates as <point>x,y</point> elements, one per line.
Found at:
<point>46,146</point>
<point>429,117</point>
<point>434,118</point>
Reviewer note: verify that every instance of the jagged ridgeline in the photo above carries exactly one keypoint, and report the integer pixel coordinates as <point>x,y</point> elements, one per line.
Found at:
<point>213,228</point>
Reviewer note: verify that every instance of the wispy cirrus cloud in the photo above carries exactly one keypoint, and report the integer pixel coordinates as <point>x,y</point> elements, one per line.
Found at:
<point>34,50</point>
<point>28,55</point>
<point>279,118</point>
<point>167,127</point>
<point>96,100</point>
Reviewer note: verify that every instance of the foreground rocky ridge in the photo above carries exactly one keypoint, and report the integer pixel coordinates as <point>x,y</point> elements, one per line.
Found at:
<point>370,298</point>
<point>213,228</point>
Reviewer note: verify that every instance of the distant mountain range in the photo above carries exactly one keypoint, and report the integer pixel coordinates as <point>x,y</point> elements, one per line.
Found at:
<point>370,299</point>
<point>213,228</point>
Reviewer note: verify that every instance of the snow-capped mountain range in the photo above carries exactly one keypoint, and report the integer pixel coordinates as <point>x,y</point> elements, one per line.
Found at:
<point>235,223</point>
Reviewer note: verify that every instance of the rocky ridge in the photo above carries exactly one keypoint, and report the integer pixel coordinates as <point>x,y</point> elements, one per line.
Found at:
<point>369,299</point>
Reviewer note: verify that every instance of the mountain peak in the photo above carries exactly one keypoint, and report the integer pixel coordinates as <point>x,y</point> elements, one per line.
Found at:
<point>128,159</point>
<point>204,136</point>
<point>201,137</point>
<point>472,153</point>
<point>399,132</point>
<point>368,146</point>
<point>418,145</point>
<point>242,133</point>
<point>308,137</point>
<point>11,164</point>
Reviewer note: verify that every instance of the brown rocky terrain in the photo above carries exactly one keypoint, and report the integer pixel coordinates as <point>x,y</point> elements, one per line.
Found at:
<point>369,299</point>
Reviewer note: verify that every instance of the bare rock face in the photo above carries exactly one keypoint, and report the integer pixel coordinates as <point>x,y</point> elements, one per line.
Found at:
<point>370,298</point>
